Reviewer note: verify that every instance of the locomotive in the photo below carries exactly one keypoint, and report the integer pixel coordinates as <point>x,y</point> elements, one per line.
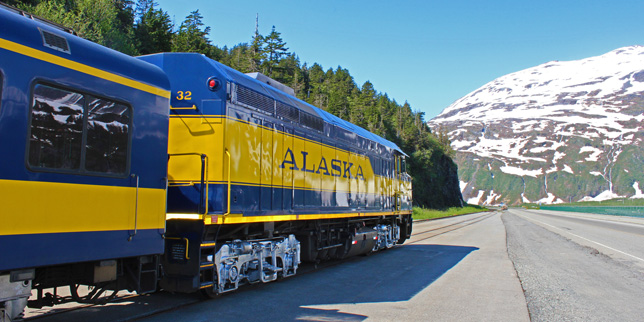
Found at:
<point>172,171</point>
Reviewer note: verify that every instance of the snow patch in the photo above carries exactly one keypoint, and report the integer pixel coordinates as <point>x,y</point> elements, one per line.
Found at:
<point>597,174</point>
<point>461,144</point>
<point>595,152</point>
<point>568,169</point>
<point>477,199</point>
<point>491,198</point>
<point>606,195</point>
<point>550,199</point>
<point>462,185</point>
<point>558,155</point>
<point>525,200</point>
<point>521,172</point>
<point>638,192</point>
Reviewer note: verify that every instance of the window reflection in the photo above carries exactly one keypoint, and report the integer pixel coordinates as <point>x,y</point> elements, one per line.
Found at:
<point>57,132</point>
<point>107,136</point>
<point>56,128</point>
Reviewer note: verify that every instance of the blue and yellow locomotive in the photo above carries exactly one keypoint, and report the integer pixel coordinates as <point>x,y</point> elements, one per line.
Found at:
<point>115,166</point>
<point>252,168</point>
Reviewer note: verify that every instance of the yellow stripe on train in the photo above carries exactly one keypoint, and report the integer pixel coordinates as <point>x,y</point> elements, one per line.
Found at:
<point>64,207</point>
<point>239,219</point>
<point>56,60</point>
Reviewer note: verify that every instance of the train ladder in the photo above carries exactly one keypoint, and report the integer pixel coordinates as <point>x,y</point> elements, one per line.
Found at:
<point>207,267</point>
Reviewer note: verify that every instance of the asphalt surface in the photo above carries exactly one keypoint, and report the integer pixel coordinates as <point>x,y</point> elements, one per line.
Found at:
<point>578,267</point>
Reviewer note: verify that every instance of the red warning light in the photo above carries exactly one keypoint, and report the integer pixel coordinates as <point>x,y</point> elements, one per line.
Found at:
<point>213,83</point>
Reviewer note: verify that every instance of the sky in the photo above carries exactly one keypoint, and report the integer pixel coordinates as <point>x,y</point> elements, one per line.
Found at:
<point>428,53</point>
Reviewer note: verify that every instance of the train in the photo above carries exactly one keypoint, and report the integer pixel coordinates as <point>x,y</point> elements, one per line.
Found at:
<point>172,171</point>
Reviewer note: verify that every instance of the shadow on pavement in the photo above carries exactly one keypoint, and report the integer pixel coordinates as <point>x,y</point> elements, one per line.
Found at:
<point>390,276</point>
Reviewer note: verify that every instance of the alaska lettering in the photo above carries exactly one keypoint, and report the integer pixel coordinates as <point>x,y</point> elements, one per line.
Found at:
<point>338,167</point>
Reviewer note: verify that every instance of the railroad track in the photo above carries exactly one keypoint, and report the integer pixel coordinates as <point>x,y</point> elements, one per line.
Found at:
<point>418,236</point>
<point>183,300</point>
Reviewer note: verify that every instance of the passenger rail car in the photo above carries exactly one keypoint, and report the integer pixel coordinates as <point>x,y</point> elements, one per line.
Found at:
<point>253,168</point>
<point>83,138</point>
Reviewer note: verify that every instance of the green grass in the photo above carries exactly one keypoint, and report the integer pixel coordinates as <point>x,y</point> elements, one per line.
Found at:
<point>530,206</point>
<point>422,213</point>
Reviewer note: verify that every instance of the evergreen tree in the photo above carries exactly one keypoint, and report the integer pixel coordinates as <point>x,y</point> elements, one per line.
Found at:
<point>143,6</point>
<point>274,49</point>
<point>100,21</point>
<point>153,28</point>
<point>239,58</point>
<point>122,35</point>
<point>190,37</point>
<point>256,52</point>
<point>317,93</point>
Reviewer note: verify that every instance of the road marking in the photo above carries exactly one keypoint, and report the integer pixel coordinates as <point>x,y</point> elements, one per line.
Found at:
<point>592,241</point>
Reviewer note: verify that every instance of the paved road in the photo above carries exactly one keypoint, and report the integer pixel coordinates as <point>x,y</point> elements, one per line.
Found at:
<point>578,267</point>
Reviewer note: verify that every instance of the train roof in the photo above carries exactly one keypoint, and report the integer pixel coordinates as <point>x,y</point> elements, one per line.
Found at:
<point>239,78</point>
<point>18,29</point>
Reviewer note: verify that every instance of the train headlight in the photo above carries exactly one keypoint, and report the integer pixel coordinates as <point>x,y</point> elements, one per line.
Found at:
<point>213,83</point>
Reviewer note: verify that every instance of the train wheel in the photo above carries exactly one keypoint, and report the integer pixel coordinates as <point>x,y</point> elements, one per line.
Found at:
<point>405,229</point>
<point>209,292</point>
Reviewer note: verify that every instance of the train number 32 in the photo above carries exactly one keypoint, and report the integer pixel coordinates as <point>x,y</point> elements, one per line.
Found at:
<point>184,96</point>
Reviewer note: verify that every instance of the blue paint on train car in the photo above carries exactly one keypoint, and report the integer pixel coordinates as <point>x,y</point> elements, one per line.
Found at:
<point>45,249</point>
<point>250,200</point>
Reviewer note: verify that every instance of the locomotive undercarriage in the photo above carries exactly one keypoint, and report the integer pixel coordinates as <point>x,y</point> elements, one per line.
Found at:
<point>219,258</point>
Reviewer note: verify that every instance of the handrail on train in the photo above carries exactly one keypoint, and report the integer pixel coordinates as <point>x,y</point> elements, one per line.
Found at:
<point>203,191</point>
<point>228,203</point>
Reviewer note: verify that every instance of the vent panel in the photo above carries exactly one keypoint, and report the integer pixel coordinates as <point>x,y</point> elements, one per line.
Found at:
<point>288,112</point>
<point>312,121</point>
<point>55,42</point>
<point>256,100</point>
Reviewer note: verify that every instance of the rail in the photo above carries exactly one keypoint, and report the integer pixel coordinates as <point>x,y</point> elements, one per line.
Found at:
<point>193,107</point>
<point>228,179</point>
<point>136,208</point>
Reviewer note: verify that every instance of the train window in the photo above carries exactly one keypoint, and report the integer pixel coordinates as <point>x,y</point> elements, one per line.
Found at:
<point>77,132</point>
<point>107,136</point>
<point>56,128</point>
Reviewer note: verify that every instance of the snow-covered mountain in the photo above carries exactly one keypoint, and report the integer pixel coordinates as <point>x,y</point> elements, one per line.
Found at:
<point>560,131</point>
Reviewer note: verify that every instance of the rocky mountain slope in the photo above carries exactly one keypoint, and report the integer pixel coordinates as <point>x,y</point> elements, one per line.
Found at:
<point>560,131</point>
